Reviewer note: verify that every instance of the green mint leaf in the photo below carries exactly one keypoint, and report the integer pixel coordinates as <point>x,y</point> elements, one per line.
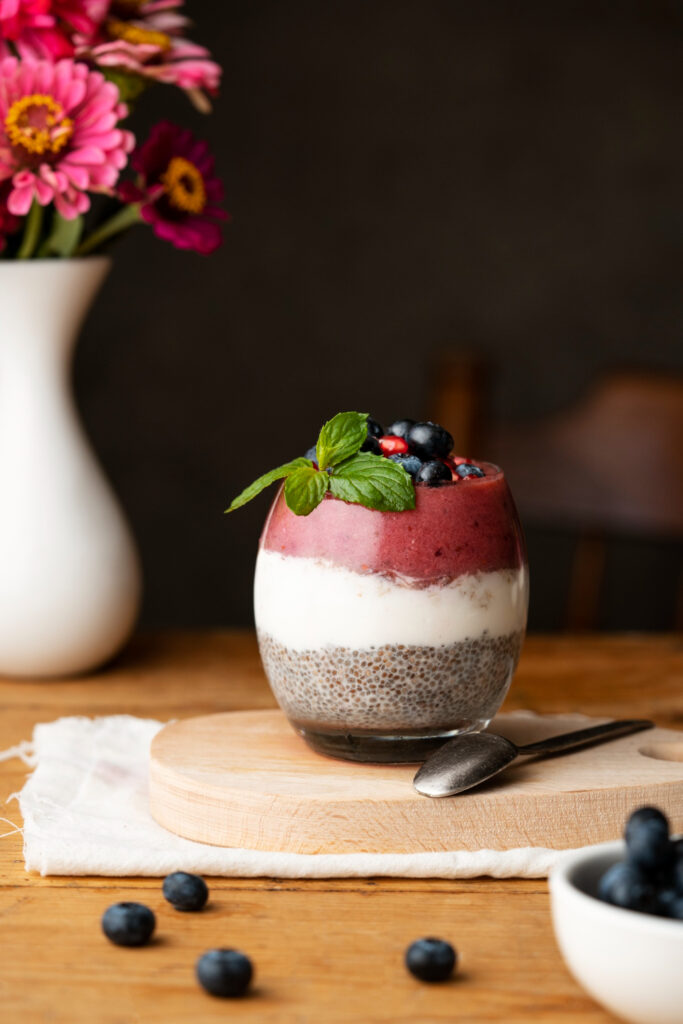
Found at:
<point>266,480</point>
<point>341,437</point>
<point>305,488</point>
<point>375,482</point>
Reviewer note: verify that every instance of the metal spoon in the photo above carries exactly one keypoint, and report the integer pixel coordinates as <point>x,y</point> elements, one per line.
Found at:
<point>474,757</point>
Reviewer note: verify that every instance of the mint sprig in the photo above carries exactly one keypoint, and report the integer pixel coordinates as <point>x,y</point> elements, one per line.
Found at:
<point>340,438</point>
<point>266,480</point>
<point>305,488</point>
<point>375,482</point>
<point>345,471</point>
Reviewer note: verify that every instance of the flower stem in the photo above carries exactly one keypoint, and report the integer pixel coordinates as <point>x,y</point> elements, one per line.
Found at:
<point>32,229</point>
<point>122,219</point>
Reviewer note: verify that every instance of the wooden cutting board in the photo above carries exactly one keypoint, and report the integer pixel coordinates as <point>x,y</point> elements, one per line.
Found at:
<point>246,779</point>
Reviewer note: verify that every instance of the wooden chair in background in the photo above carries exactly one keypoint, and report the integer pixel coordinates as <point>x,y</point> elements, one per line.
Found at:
<point>612,466</point>
<point>458,398</point>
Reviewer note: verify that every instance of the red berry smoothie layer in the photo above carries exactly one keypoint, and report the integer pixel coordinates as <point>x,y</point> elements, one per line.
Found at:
<point>465,527</point>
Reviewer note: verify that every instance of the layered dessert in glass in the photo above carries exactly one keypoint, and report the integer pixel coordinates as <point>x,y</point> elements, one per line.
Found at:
<point>385,633</point>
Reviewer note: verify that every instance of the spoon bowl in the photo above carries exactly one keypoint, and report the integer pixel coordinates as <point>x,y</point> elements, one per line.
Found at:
<point>479,756</point>
<point>471,758</point>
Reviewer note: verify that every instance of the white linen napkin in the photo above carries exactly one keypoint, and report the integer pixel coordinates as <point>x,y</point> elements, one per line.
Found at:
<point>85,810</point>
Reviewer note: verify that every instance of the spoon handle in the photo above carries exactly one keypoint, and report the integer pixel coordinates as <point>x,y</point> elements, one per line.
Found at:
<point>583,737</point>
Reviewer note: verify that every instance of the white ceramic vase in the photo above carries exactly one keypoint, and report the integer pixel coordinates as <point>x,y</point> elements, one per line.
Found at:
<point>69,572</point>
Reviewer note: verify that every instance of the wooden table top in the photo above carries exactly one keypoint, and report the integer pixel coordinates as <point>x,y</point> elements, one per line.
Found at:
<point>324,951</point>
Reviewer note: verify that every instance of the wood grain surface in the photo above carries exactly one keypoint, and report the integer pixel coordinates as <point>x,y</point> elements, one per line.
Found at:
<point>246,779</point>
<point>325,951</point>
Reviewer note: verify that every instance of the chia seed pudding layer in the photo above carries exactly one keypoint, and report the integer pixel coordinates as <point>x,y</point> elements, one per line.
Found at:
<point>392,687</point>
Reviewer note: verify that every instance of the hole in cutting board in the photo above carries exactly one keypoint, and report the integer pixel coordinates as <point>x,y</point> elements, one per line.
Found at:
<point>663,751</point>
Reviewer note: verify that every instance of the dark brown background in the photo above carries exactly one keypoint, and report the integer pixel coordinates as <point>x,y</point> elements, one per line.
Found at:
<point>403,175</point>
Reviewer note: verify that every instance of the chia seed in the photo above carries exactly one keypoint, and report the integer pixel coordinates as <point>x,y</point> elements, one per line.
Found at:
<point>394,686</point>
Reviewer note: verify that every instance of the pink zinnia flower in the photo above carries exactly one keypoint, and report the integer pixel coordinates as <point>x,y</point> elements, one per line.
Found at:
<point>45,28</point>
<point>177,189</point>
<point>147,38</point>
<point>58,134</point>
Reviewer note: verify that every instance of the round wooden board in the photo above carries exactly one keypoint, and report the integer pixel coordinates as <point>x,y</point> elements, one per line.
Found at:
<point>246,779</point>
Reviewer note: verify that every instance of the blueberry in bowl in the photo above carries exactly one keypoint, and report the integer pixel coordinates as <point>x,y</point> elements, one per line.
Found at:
<point>617,912</point>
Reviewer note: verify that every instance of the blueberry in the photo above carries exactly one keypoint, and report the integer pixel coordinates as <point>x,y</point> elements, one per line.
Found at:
<point>400,428</point>
<point>431,959</point>
<point>184,891</point>
<point>647,840</point>
<point>410,463</point>
<point>675,908</point>
<point>464,471</point>
<point>429,440</point>
<point>311,454</point>
<point>374,428</point>
<point>671,877</point>
<point>433,473</point>
<point>371,444</point>
<point>644,814</point>
<point>677,869</point>
<point>224,972</point>
<point>128,924</point>
<point>665,900</point>
<point>626,886</point>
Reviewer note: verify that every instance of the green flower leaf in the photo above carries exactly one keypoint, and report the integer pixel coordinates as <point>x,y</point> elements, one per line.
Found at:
<point>130,85</point>
<point>373,481</point>
<point>305,488</point>
<point>341,437</point>
<point>267,479</point>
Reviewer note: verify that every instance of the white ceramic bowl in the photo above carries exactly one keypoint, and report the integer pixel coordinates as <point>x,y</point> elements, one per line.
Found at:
<point>631,963</point>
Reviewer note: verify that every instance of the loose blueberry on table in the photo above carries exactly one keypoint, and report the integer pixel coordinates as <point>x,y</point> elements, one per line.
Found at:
<point>128,924</point>
<point>224,972</point>
<point>431,959</point>
<point>650,879</point>
<point>185,891</point>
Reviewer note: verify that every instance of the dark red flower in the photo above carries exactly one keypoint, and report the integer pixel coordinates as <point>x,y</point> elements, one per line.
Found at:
<point>8,222</point>
<point>177,189</point>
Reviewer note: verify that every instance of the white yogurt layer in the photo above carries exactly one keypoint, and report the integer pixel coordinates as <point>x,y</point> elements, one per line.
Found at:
<point>305,603</point>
